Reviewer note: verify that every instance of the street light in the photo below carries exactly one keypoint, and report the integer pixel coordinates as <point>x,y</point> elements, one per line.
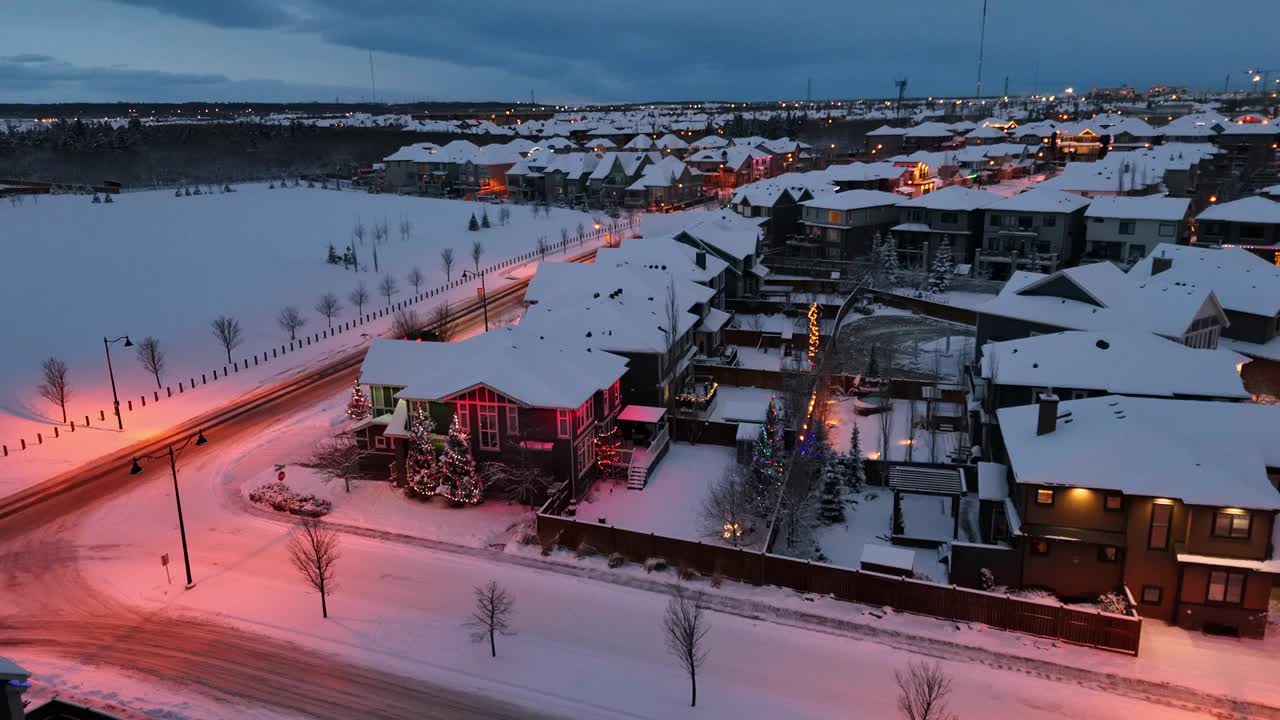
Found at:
<point>484,296</point>
<point>177,498</point>
<point>115,399</point>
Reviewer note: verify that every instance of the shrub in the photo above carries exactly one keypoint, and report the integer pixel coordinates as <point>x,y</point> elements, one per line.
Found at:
<point>1113,603</point>
<point>586,550</point>
<point>655,564</point>
<point>280,497</point>
<point>616,560</point>
<point>986,579</point>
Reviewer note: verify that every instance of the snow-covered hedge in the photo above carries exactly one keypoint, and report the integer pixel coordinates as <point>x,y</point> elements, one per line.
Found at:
<point>280,497</point>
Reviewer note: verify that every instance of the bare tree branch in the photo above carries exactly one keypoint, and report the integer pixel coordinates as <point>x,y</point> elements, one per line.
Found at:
<point>359,296</point>
<point>227,330</point>
<point>446,262</point>
<point>922,692</point>
<point>415,279</point>
<point>329,306</point>
<point>685,628</point>
<point>338,458</point>
<point>404,324</point>
<point>56,387</point>
<point>477,251</point>
<point>388,287</point>
<point>492,615</point>
<point>290,320</point>
<point>441,322</point>
<point>726,511</point>
<point>151,357</point>
<point>313,549</point>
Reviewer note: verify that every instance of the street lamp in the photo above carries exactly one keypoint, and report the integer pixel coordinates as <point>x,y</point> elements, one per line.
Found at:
<point>115,399</point>
<point>484,296</point>
<point>177,498</point>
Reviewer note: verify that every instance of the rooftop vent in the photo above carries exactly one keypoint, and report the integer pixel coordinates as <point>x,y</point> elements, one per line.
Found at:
<point>1103,345</point>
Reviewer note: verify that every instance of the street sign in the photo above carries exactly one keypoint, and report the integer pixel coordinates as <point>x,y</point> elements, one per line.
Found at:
<point>280,476</point>
<point>164,559</point>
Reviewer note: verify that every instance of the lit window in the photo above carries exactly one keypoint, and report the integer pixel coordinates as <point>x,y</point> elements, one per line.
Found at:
<point>380,442</point>
<point>1151,594</point>
<point>487,415</point>
<point>1040,547</point>
<point>1114,501</point>
<point>464,417</point>
<point>513,420</point>
<point>1226,587</point>
<point>1108,554</point>
<point>1044,496</point>
<point>1161,514</point>
<point>1232,524</point>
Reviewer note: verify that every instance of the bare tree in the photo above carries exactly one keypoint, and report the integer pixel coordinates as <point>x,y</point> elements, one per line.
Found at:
<point>338,458</point>
<point>492,615</point>
<point>380,233</point>
<point>405,323</point>
<point>441,321</point>
<point>726,509</point>
<point>329,306</point>
<point>388,287</point>
<point>56,387</point>
<point>564,236</point>
<point>406,228</point>
<point>922,692</point>
<point>885,400</point>
<point>582,232</point>
<point>542,247</point>
<point>798,510</point>
<point>685,627</point>
<point>477,250</point>
<point>504,215</point>
<point>151,357</point>
<point>313,548</point>
<point>359,296</point>
<point>227,330</point>
<point>446,262</point>
<point>521,480</point>
<point>358,232</point>
<point>415,279</point>
<point>290,320</point>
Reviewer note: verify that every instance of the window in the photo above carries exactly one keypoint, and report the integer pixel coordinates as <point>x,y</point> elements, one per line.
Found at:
<point>1049,221</point>
<point>586,413</point>
<point>380,442</point>
<point>382,398</point>
<point>1168,229</point>
<point>1158,537</point>
<point>1044,496</point>
<point>513,420</point>
<point>1025,222</point>
<point>1039,547</point>
<point>949,218</point>
<point>1127,227</point>
<point>563,425</point>
<point>487,416</point>
<point>1225,587</point>
<point>1113,502</point>
<point>997,220</point>
<point>1250,231</point>
<point>586,454</point>
<point>615,393</point>
<point>464,417</point>
<point>1232,524</point>
<point>1212,228</point>
<point>1108,554</point>
<point>1151,595</point>
<point>833,217</point>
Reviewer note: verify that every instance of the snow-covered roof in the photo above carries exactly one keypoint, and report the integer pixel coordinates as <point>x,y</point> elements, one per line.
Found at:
<point>853,200</point>
<point>671,142</point>
<point>887,131</point>
<point>723,230</point>
<point>986,132</point>
<point>864,172</point>
<point>1252,209</point>
<point>953,197</point>
<point>710,141</point>
<point>1199,452</point>
<point>1242,281</point>
<point>993,481</point>
<point>559,143</point>
<point>514,362</point>
<point>639,142</point>
<point>417,152</point>
<point>1125,362</point>
<point>887,556</point>
<point>1139,208</point>
<point>1041,200</point>
<point>642,413</point>
<point>663,253</point>
<point>929,130</point>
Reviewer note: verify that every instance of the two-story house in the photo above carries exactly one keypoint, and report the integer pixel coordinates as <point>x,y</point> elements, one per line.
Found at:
<point>1039,230</point>
<point>777,202</point>
<point>731,166</point>
<point>887,176</point>
<point>734,239</point>
<point>514,392</point>
<point>664,183</point>
<point>1252,223</point>
<point>885,140</point>
<point>842,225</point>
<point>405,167</point>
<point>1124,229</point>
<point>952,214</point>
<point>1172,502</point>
<point>608,181</point>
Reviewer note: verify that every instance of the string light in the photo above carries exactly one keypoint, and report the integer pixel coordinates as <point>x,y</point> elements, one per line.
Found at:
<point>813,333</point>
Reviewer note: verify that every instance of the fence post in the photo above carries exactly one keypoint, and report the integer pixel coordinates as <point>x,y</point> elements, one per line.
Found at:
<point>86,421</point>
<point>130,405</point>
<point>24,443</point>
<point>39,439</point>
<point>157,392</point>
<point>6,450</point>
<point>55,431</point>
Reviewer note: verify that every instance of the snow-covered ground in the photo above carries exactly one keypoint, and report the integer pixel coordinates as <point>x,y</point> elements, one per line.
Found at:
<point>764,358</point>
<point>741,404</point>
<point>906,346</point>
<point>905,442</point>
<point>152,264</point>
<point>956,298</point>
<point>669,503</point>
<point>871,521</point>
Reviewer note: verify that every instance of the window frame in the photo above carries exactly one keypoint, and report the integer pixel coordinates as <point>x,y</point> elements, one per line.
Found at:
<point>1108,497</point>
<point>1128,227</point>
<point>1040,496</point>
<point>1227,576</point>
<point>1167,525</point>
<point>379,442</point>
<point>1103,552</point>
<point>1040,547</point>
<point>464,416</point>
<point>513,419</point>
<point>489,438</point>
<point>1167,229</point>
<point>1231,528</point>
<point>1142,598</point>
<point>564,423</point>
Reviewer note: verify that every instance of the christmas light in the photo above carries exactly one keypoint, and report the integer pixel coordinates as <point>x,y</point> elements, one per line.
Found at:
<point>813,333</point>
<point>358,407</point>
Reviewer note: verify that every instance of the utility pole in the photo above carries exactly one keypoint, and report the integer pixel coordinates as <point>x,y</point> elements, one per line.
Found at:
<point>373,85</point>
<point>982,40</point>
<point>808,90</point>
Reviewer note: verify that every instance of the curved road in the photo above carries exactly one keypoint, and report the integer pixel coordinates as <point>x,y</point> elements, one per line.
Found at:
<point>46,606</point>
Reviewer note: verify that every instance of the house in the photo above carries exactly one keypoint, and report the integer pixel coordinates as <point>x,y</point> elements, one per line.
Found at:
<point>672,145</point>
<point>406,166</point>
<point>1041,230</point>
<point>514,392</point>
<point>927,136</point>
<point>1124,230</point>
<point>664,183</point>
<point>1247,287</point>
<point>842,225</point>
<point>732,166</point>
<point>788,155</point>
<point>1099,296</point>
<point>613,174</point>
<point>724,234</point>
<point>1252,223</point>
<point>885,140</point>
<point>905,176</point>
<point>953,214</point>
<point>777,203</point>
<point>985,135</point>
<point>1172,502</point>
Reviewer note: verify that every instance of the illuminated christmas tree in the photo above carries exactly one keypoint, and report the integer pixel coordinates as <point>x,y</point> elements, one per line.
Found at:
<point>607,444</point>
<point>422,472</point>
<point>813,333</point>
<point>766,463</point>
<point>457,469</point>
<point>358,407</point>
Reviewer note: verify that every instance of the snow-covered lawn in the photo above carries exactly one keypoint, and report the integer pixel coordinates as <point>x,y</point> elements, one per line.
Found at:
<point>150,264</point>
<point>740,404</point>
<point>905,442</point>
<point>765,358</point>
<point>871,521</point>
<point>669,504</point>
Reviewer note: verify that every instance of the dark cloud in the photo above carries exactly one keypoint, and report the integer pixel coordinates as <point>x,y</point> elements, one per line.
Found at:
<point>251,14</point>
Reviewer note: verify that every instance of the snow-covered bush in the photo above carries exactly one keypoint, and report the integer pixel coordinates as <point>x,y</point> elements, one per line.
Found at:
<point>655,564</point>
<point>1113,603</point>
<point>586,550</point>
<point>616,560</point>
<point>280,497</point>
<point>986,579</point>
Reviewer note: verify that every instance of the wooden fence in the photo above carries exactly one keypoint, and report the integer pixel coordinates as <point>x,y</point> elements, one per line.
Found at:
<point>1081,627</point>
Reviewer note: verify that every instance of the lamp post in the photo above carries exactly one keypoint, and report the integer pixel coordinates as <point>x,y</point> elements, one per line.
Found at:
<point>115,399</point>
<point>177,497</point>
<point>484,295</point>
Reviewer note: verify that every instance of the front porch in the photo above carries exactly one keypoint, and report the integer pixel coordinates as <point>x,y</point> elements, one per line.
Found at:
<point>644,438</point>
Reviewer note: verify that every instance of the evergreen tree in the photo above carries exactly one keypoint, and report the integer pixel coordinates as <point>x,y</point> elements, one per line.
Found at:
<point>833,479</point>
<point>607,444</point>
<point>942,269</point>
<point>856,474</point>
<point>458,479</point>
<point>422,473</point>
<point>766,463</point>
<point>892,271</point>
<point>334,258</point>
<point>473,225</point>
<point>873,363</point>
<point>358,408</point>
<point>484,218</point>
<point>107,199</point>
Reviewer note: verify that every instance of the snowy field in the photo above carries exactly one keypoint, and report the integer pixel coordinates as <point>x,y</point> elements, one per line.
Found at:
<point>150,264</point>
<point>669,504</point>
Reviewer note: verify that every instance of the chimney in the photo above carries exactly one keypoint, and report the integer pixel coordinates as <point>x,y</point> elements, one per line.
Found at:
<point>700,258</point>
<point>1160,263</point>
<point>1047,420</point>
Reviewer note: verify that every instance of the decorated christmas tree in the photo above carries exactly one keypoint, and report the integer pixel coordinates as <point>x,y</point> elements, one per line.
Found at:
<point>856,475</point>
<point>942,269</point>
<point>833,481</point>
<point>607,444</point>
<point>457,469</point>
<point>358,407</point>
<point>766,463</point>
<point>422,473</point>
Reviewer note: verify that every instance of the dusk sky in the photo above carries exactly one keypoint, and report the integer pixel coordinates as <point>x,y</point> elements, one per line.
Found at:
<point>578,50</point>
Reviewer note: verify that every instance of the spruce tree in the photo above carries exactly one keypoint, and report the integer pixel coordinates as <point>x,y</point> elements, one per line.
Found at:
<point>942,268</point>
<point>766,463</point>
<point>473,225</point>
<point>458,479</point>
<point>892,271</point>
<point>421,469</point>
<point>484,218</point>
<point>334,258</point>
<point>833,479</point>
<point>856,474</point>
<point>358,407</point>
